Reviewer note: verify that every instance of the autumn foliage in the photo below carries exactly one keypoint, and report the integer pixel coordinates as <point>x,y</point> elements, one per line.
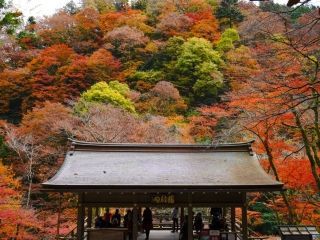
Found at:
<point>16,221</point>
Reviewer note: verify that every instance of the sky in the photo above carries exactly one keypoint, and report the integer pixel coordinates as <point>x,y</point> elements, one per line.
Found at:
<point>39,8</point>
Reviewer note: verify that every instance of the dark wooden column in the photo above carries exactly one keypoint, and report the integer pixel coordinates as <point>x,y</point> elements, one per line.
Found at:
<point>181,217</point>
<point>96,212</point>
<point>139,214</point>
<point>89,217</point>
<point>244,222</point>
<point>224,212</point>
<point>140,228</point>
<point>233,219</point>
<point>80,218</point>
<point>190,223</point>
<point>135,223</point>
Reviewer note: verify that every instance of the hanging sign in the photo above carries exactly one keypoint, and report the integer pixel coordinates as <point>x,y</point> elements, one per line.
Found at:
<point>163,199</point>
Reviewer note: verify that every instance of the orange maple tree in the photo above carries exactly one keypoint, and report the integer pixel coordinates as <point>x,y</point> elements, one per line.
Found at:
<point>16,222</point>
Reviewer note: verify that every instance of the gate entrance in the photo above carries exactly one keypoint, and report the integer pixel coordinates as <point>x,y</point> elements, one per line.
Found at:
<point>156,175</point>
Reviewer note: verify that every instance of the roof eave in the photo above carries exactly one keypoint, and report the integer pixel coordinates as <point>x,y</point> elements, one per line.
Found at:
<point>165,188</point>
<point>142,147</point>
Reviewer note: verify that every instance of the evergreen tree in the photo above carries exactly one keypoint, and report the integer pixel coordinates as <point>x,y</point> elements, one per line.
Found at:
<point>278,8</point>
<point>9,19</point>
<point>139,4</point>
<point>229,10</point>
<point>71,8</point>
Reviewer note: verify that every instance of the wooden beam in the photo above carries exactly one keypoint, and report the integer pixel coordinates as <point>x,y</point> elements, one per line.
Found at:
<point>233,219</point>
<point>130,205</point>
<point>174,189</point>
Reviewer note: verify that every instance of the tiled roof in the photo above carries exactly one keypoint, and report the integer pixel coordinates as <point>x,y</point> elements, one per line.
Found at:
<point>153,166</point>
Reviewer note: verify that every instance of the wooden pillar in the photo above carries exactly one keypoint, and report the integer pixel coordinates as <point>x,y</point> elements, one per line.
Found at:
<point>190,223</point>
<point>181,217</point>
<point>134,223</point>
<point>140,228</point>
<point>80,218</point>
<point>233,219</point>
<point>244,222</point>
<point>89,217</point>
<point>224,216</point>
<point>224,212</point>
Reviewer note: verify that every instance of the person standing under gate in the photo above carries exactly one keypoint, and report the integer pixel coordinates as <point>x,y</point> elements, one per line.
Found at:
<point>128,223</point>
<point>147,221</point>
<point>184,230</point>
<point>198,223</point>
<point>116,219</point>
<point>175,216</point>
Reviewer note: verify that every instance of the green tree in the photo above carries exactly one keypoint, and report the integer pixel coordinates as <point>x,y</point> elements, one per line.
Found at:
<point>229,11</point>
<point>226,42</point>
<point>99,5</point>
<point>139,4</point>
<point>145,80</point>
<point>191,65</point>
<point>121,4</point>
<point>28,36</point>
<point>280,8</point>
<point>164,57</point>
<point>9,19</point>
<point>4,150</point>
<point>197,68</point>
<point>106,5</point>
<point>114,93</point>
<point>159,67</point>
<point>71,8</point>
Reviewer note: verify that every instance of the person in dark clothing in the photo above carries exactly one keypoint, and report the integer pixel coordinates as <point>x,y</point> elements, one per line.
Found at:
<point>215,224</point>
<point>216,212</point>
<point>175,216</point>
<point>127,219</point>
<point>147,221</point>
<point>116,219</point>
<point>184,229</point>
<point>107,219</point>
<point>128,223</point>
<point>198,224</point>
<point>216,218</point>
<point>99,223</point>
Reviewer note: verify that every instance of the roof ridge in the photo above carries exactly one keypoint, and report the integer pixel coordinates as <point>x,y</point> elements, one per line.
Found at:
<point>83,145</point>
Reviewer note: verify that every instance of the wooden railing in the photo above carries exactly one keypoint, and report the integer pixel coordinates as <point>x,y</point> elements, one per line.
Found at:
<point>163,222</point>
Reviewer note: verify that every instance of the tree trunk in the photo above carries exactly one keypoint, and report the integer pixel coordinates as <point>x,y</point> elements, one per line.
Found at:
<point>30,176</point>
<point>292,218</point>
<point>308,150</point>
